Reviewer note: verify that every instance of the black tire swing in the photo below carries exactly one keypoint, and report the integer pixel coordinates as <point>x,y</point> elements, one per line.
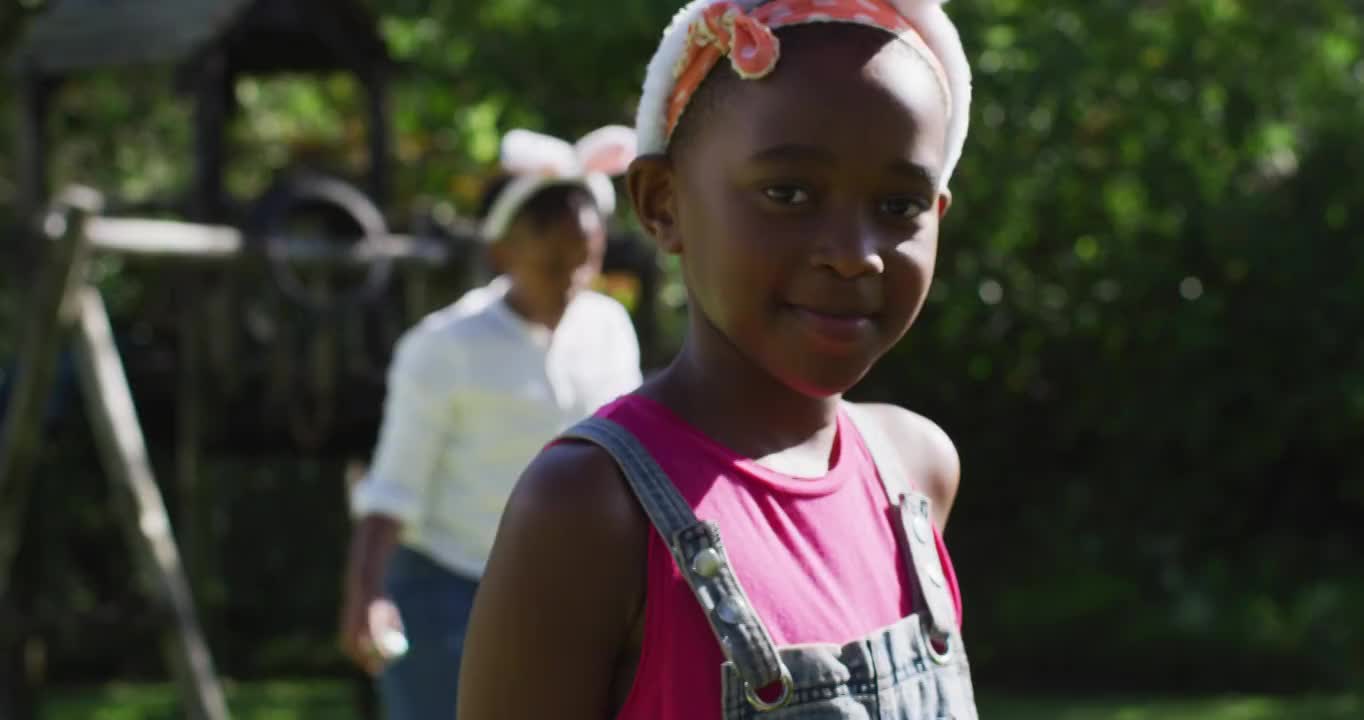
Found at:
<point>306,358</point>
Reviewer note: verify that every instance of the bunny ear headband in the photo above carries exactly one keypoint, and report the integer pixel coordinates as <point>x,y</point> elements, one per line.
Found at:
<point>705,31</point>
<point>539,161</point>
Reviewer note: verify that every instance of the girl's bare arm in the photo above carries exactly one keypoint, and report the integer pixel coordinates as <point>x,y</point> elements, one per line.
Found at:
<point>561,592</point>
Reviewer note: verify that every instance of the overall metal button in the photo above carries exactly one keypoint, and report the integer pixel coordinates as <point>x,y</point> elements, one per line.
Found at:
<point>923,531</point>
<point>706,563</point>
<point>730,610</point>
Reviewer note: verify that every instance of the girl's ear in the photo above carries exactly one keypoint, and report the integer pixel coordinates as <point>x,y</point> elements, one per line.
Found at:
<point>944,202</point>
<point>652,187</point>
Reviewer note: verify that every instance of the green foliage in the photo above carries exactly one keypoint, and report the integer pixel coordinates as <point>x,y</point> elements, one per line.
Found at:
<point>1144,337</point>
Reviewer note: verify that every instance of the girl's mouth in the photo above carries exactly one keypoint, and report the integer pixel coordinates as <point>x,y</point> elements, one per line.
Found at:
<point>835,327</point>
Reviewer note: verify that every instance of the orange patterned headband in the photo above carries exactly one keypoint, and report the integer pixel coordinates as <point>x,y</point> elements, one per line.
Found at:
<point>724,28</point>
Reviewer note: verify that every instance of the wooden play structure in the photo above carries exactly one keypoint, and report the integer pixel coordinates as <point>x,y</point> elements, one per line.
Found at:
<point>210,43</point>
<point>320,245</point>
<point>66,308</point>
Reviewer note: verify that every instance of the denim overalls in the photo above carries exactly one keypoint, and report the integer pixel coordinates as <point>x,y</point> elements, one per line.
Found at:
<point>915,669</point>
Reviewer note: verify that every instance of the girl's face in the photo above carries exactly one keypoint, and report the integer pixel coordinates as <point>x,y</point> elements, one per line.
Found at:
<point>551,263</point>
<point>804,205</point>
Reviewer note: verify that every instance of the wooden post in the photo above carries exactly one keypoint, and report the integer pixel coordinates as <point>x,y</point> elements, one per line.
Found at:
<point>51,312</point>
<point>119,437</point>
<point>210,114</point>
<point>213,92</point>
<point>192,513</point>
<point>31,147</point>
<point>213,103</point>
<point>376,85</point>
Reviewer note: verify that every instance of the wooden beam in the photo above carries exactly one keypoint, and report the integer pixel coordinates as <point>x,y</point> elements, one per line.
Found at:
<point>51,311</point>
<point>165,238</point>
<point>195,241</point>
<point>397,248</point>
<point>141,510</point>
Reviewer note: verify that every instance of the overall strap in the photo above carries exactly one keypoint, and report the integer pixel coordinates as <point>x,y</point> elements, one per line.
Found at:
<point>913,523</point>
<point>892,472</point>
<point>700,556</point>
<point>667,511</point>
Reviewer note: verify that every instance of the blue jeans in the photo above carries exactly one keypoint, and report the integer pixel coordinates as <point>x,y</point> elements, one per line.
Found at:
<point>434,604</point>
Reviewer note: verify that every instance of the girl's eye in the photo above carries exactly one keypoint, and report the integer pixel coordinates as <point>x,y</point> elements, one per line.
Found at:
<point>905,207</point>
<point>787,195</point>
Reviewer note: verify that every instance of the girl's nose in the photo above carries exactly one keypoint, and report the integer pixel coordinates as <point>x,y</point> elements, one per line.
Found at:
<point>849,248</point>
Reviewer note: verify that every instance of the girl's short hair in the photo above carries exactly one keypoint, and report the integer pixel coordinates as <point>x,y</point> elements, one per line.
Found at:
<point>542,208</point>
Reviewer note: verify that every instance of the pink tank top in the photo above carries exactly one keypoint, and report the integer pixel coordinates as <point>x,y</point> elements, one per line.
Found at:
<point>816,556</point>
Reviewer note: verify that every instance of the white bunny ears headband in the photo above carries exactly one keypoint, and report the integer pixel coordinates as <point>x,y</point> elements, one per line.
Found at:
<point>538,161</point>
<point>704,30</point>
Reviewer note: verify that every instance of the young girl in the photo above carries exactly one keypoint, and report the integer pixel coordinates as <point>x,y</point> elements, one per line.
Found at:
<point>734,540</point>
<point>475,390</point>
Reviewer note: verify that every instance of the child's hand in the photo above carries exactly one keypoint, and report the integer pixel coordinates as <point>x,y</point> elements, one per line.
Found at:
<point>386,630</point>
<point>372,633</point>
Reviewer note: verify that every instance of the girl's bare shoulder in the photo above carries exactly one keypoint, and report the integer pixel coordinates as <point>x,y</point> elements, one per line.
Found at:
<point>927,452</point>
<point>577,485</point>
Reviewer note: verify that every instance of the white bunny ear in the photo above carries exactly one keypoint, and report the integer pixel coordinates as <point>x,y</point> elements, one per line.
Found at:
<point>607,150</point>
<point>533,153</point>
<point>603,192</point>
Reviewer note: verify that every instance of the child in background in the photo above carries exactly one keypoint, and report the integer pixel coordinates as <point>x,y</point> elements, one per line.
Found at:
<point>733,540</point>
<point>475,391</point>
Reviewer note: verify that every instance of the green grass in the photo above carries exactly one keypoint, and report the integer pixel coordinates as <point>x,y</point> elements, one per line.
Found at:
<point>329,700</point>
<point>1344,707</point>
<point>279,700</point>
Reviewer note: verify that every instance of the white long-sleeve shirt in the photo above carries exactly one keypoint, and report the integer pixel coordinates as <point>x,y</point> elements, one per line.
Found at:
<point>474,392</point>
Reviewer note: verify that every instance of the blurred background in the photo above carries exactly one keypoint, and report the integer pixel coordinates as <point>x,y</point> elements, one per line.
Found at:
<point>1146,335</point>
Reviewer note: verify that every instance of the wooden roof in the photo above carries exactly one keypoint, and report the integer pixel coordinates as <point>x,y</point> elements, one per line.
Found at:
<point>258,35</point>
